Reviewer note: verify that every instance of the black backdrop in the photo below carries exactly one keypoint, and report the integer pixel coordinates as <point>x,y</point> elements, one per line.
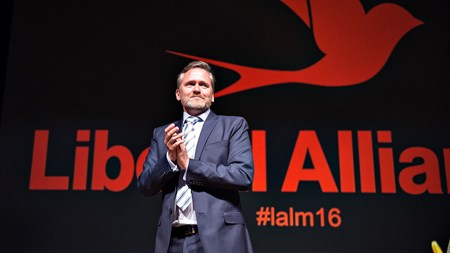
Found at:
<point>104,65</point>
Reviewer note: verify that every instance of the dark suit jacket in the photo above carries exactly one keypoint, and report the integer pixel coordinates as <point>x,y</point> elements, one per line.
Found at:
<point>222,167</point>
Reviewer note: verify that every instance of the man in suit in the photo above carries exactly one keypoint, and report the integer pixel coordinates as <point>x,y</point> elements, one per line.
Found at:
<point>199,164</point>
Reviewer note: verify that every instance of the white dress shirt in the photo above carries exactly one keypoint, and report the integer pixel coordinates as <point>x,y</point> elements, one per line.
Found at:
<point>187,217</point>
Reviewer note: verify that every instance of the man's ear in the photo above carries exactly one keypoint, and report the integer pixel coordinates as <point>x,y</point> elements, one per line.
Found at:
<point>212,98</point>
<point>177,94</point>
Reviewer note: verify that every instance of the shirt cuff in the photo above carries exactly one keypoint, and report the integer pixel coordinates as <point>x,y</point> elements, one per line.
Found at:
<point>173,166</point>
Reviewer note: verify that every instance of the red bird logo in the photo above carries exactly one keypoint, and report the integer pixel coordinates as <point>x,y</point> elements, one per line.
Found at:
<point>355,44</point>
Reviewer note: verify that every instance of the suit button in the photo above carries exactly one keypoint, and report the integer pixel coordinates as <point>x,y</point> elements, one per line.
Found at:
<point>197,183</point>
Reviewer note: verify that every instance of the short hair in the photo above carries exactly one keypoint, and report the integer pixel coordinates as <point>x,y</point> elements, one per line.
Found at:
<point>197,64</point>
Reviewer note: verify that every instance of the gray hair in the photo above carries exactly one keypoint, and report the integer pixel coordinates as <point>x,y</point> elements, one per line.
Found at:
<point>197,64</point>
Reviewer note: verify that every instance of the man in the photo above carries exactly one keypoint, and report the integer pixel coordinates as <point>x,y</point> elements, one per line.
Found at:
<point>199,164</point>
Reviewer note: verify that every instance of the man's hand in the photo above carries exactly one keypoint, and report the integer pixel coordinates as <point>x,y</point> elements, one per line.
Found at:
<point>173,140</point>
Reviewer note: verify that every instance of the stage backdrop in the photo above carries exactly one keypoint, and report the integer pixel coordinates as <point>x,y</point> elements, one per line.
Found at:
<point>347,101</point>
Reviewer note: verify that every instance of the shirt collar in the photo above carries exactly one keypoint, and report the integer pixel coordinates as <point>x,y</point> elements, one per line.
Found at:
<point>203,116</point>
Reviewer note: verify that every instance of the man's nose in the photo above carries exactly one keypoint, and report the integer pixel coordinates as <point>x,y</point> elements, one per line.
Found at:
<point>197,87</point>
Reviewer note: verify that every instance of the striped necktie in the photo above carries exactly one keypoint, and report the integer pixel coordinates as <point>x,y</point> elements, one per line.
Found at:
<point>189,135</point>
<point>184,195</point>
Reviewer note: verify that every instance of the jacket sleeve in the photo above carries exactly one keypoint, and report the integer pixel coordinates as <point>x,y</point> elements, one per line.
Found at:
<point>157,171</point>
<point>227,163</point>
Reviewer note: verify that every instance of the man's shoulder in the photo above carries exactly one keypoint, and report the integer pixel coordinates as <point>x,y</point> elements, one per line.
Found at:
<point>230,118</point>
<point>232,121</point>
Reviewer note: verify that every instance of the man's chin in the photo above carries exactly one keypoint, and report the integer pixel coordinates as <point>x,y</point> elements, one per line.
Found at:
<point>197,106</point>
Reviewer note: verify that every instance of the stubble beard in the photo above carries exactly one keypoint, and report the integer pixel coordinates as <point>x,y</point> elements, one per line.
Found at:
<point>195,108</point>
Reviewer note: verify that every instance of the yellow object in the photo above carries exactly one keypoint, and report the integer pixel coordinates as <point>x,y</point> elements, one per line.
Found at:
<point>435,247</point>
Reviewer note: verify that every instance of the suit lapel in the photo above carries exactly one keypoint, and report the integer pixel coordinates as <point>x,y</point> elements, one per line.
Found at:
<point>210,122</point>
<point>179,124</point>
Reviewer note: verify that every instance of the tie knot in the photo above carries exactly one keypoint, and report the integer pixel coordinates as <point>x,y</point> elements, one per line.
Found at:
<point>192,120</point>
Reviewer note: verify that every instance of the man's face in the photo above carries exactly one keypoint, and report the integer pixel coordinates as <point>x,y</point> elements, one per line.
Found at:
<point>195,91</point>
